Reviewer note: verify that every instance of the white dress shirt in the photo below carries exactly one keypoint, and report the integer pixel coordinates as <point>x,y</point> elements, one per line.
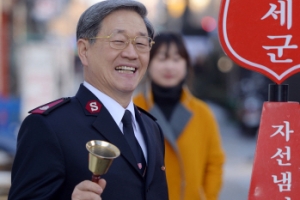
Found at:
<point>117,112</point>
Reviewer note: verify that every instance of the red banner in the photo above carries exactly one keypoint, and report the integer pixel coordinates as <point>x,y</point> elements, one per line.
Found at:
<point>263,36</point>
<point>276,168</point>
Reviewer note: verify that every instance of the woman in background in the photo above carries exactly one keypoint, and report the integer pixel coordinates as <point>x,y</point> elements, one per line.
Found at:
<point>194,156</point>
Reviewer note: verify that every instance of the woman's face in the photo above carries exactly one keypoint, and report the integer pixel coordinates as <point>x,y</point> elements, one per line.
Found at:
<point>167,69</point>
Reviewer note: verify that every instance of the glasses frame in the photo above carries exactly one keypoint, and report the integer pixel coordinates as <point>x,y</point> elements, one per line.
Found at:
<point>130,40</point>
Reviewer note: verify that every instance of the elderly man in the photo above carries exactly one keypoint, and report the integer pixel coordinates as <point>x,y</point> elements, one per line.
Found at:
<point>114,39</point>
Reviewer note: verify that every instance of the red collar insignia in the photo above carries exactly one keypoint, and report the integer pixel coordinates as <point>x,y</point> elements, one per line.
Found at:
<point>93,107</point>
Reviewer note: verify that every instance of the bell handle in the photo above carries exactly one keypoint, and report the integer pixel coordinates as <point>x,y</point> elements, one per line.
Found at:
<point>95,178</point>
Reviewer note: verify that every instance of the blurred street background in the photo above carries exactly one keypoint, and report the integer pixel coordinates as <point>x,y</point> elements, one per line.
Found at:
<point>39,63</point>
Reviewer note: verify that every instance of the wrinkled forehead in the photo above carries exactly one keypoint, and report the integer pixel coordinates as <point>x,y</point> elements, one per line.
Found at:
<point>125,32</point>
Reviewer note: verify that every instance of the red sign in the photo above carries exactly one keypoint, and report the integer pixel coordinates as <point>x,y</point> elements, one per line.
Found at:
<point>275,173</point>
<point>263,36</point>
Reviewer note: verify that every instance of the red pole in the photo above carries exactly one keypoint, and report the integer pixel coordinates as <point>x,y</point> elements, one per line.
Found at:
<point>4,53</point>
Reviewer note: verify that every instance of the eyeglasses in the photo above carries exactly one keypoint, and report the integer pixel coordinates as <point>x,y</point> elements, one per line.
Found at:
<point>120,41</point>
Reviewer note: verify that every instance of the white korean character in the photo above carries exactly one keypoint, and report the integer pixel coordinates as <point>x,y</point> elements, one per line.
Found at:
<point>285,12</point>
<point>281,131</point>
<point>280,49</point>
<point>285,183</point>
<point>281,154</point>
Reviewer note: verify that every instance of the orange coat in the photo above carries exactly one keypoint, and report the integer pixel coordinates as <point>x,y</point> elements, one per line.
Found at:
<point>194,156</point>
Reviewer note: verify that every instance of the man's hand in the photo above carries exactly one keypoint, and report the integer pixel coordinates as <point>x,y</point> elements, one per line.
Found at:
<point>88,190</point>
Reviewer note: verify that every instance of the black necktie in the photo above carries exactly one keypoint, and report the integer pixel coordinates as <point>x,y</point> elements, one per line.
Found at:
<point>132,141</point>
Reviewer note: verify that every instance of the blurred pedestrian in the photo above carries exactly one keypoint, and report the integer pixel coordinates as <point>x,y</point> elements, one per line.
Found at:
<point>114,40</point>
<point>194,155</point>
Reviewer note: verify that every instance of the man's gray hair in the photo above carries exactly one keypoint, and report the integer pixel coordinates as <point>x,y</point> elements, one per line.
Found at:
<point>89,23</point>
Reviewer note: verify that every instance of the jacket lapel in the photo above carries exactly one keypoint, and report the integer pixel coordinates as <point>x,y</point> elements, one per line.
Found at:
<point>105,125</point>
<point>179,119</point>
<point>174,128</point>
<point>146,129</point>
<point>165,126</point>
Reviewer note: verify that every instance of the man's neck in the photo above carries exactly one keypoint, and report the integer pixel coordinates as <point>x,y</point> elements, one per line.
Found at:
<point>120,97</point>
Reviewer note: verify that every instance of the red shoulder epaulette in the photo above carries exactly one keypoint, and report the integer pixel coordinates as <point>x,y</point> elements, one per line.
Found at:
<point>48,107</point>
<point>147,113</point>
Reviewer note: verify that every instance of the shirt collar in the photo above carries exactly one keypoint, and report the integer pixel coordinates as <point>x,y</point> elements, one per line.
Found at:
<point>113,107</point>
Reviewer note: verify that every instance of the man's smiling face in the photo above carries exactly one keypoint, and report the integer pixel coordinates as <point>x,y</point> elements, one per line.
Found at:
<point>116,72</point>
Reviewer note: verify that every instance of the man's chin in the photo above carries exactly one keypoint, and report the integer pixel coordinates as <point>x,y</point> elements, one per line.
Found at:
<point>127,90</point>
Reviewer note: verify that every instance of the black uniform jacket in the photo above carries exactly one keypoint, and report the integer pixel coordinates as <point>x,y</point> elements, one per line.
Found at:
<point>52,157</point>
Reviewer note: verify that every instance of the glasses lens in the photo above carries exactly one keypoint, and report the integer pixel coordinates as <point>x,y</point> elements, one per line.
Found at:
<point>143,43</point>
<point>118,41</point>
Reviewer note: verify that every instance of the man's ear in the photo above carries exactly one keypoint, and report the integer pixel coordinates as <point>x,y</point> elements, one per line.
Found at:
<point>82,48</point>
